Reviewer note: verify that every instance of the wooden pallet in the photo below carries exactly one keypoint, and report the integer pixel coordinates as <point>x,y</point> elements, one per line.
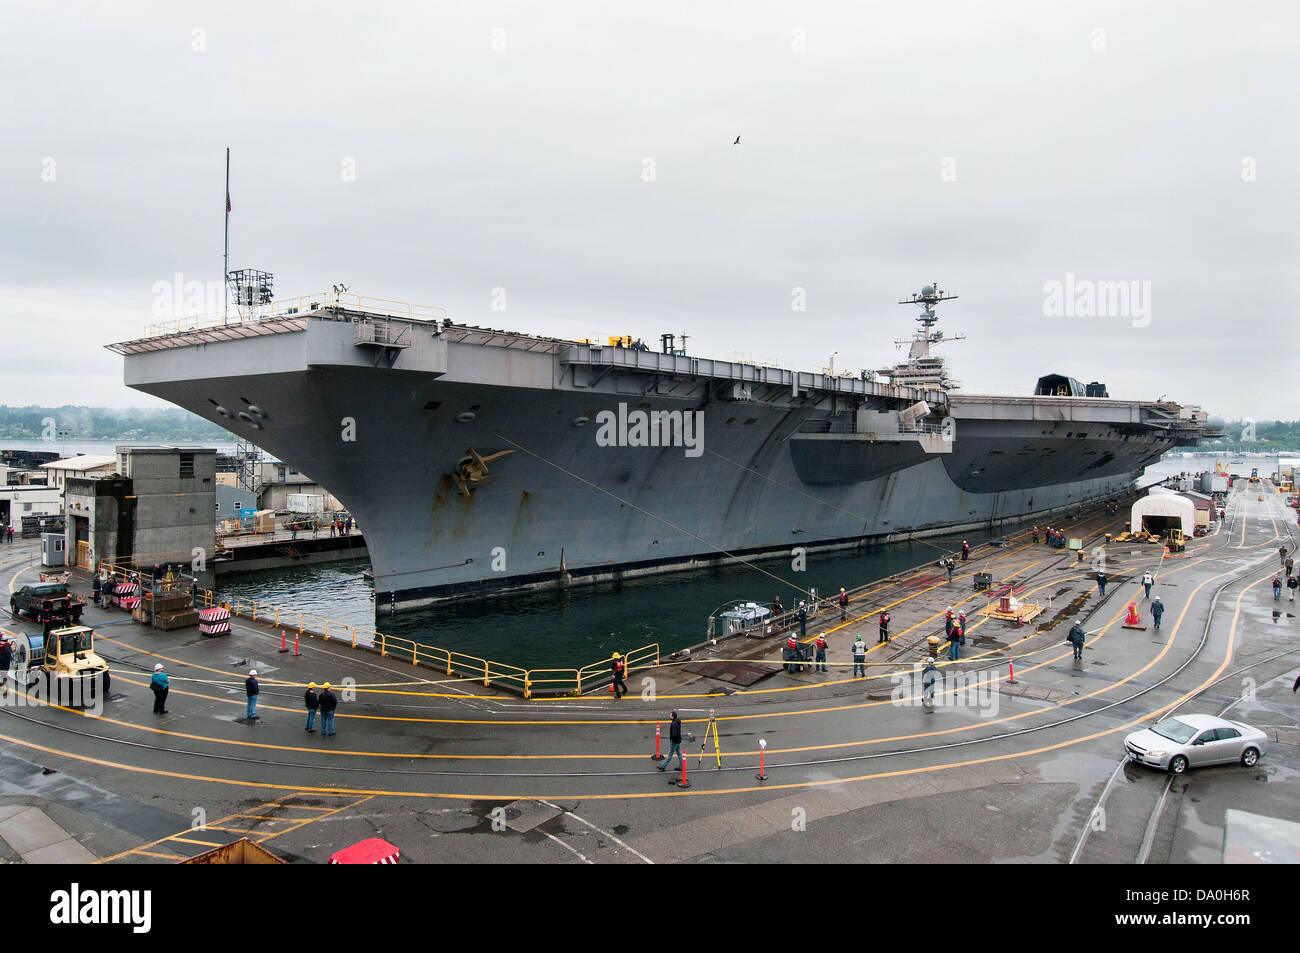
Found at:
<point>1026,613</point>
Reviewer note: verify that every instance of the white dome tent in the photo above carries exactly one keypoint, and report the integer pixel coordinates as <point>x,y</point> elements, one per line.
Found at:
<point>1160,512</point>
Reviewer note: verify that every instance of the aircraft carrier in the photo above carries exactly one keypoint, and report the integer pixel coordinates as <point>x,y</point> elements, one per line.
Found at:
<point>480,462</point>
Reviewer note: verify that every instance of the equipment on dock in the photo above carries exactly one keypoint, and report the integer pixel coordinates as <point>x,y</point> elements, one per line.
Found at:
<point>214,620</point>
<point>245,851</point>
<point>62,665</point>
<point>48,602</point>
<point>1132,620</point>
<point>372,850</point>
<point>1010,609</point>
<point>983,580</point>
<point>711,728</point>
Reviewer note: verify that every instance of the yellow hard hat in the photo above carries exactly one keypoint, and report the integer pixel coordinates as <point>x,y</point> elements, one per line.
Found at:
<point>311,684</point>
<point>616,655</point>
<point>327,684</point>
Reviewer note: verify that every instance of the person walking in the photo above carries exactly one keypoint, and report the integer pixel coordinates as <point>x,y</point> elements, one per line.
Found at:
<point>97,590</point>
<point>1281,556</point>
<point>949,565</point>
<point>1035,534</point>
<point>777,608</point>
<point>947,623</point>
<point>674,743</point>
<point>1076,638</point>
<point>965,550</point>
<point>803,621</point>
<point>1292,585</point>
<point>6,663</point>
<point>929,675</point>
<point>159,685</point>
<point>327,705</point>
<point>859,658</point>
<point>1277,587</point>
<point>820,658</point>
<point>1290,566</point>
<point>1148,581</point>
<point>617,668</point>
<point>844,604</point>
<point>884,628</point>
<point>1157,610</point>
<point>312,702</point>
<point>954,640</point>
<point>1101,584</point>
<point>251,689</point>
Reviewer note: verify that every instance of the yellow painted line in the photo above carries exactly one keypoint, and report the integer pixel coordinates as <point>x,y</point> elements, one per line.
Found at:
<point>149,853</point>
<point>191,840</point>
<point>736,754</point>
<point>693,792</point>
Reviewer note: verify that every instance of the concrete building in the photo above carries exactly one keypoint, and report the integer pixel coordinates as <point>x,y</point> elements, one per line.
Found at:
<point>157,508</point>
<point>33,502</point>
<point>83,464</point>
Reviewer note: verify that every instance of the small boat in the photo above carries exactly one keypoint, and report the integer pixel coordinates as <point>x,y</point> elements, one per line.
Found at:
<point>739,616</point>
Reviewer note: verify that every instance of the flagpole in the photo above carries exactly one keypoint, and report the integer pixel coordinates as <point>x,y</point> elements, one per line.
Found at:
<point>225,269</point>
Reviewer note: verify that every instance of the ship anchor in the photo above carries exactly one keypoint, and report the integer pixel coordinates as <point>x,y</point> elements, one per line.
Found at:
<point>472,471</point>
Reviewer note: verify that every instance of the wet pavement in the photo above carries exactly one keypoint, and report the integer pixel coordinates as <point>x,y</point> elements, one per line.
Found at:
<point>858,769</point>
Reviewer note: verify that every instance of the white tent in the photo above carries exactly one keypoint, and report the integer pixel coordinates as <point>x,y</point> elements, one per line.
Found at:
<point>1168,506</point>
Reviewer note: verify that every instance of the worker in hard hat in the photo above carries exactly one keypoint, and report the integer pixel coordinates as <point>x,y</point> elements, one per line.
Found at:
<point>1077,638</point>
<point>159,685</point>
<point>617,667</point>
<point>312,701</point>
<point>328,702</point>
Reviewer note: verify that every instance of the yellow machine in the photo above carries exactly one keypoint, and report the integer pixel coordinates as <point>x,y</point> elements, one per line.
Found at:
<point>1176,541</point>
<point>62,666</point>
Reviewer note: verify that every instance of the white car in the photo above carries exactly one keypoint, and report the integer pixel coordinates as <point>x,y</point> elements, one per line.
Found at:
<point>1184,741</point>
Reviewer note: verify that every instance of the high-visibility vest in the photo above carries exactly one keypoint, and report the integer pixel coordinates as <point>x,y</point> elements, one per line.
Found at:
<point>791,644</point>
<point>821,642</point>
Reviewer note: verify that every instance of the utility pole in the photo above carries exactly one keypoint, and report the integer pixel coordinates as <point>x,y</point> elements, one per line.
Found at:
<point>225,261</point>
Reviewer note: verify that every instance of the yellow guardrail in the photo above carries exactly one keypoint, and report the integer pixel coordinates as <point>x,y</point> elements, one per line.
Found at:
<point>453,664</point>
<point>287,307</point>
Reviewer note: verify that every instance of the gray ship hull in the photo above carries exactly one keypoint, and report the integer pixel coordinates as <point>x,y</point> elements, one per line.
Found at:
<point>559,507</point>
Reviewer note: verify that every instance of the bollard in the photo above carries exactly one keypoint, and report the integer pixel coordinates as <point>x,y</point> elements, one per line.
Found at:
<point>284,645</point>
<point>683,783</point>
<point>762,750</point>
<point>655,756</point>
<point>1011,670</point>
<point>296,653</point>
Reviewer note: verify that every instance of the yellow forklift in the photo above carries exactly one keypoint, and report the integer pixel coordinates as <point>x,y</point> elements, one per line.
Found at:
<point>1175,540</point>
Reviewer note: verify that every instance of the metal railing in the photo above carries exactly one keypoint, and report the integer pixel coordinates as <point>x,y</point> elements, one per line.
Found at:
<point>287,307</point>
<point>451,663</point>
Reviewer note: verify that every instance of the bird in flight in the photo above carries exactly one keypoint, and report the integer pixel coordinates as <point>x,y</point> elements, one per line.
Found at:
<point>737,142</point>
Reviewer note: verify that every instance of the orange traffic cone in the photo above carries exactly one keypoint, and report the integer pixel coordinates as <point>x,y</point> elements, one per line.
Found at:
<point>1133,620</point>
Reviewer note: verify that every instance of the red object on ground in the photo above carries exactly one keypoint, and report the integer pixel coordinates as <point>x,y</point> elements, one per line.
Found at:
<point>762,775</point>
<point>1011,670</point>
<point>372,850</point>
<point>295,645</point>
<point>657,734</point>
<point>284,642</point>
<point>1132,618</point>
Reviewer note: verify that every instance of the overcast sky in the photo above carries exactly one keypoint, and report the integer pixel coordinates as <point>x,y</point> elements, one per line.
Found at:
<point>581,157</point>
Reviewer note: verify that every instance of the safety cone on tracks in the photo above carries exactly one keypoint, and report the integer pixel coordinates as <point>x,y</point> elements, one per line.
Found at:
<point>284,642</point>
<point>1133,620</point>
<point>296,651</point>
<point>1011,671</point>
<point>656,756</point>
<point>762,750</point>
<point>683,783</point>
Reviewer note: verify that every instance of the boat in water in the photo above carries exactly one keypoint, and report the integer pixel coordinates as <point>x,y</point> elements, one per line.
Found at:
<point>484,462</point>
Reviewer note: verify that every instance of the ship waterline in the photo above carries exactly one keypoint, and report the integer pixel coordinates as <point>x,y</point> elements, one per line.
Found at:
<point>474,463</point>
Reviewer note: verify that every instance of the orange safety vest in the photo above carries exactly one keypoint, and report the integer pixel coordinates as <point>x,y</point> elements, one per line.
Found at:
<point>791,644</point>
<point>821,642</point>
